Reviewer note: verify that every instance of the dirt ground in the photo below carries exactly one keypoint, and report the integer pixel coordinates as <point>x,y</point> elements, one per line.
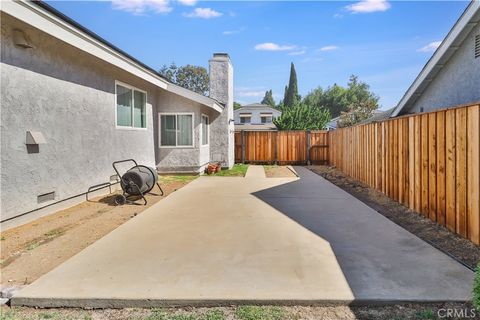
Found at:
<point>461,249</point>
<point>395,312</point>
<point>33,249</point>
<point>279,172</point>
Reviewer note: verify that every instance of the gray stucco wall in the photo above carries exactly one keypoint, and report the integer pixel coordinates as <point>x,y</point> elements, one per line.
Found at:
<point>180,159</point>
<point>457,83</point>
<point>69,97</point>
<point>256,119</point>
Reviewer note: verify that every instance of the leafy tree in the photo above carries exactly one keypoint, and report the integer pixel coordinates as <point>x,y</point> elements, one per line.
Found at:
<point>291,91</point>
<point>268,98</point>
<point>357,112</point>
<point>236,105</point>
<point>338,99</point>
<point>190,77</point>
<point>334,98</point>
<point>302,117</point>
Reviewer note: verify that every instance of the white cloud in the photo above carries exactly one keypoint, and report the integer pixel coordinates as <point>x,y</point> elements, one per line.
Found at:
<point>252,92</point>
<point>230,32</point>
<point>203,13</point>
<point>328,48</point>
<point>140,7</point>
<point>309,59</point>
<point>297,53</point>
<point>368,6</point>
<point>338,15</point>
<point>270,46</point>
<point>432,46</point>
<point>188,2</point>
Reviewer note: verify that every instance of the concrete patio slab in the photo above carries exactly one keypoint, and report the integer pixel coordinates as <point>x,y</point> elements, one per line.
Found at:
<point>221,241</point>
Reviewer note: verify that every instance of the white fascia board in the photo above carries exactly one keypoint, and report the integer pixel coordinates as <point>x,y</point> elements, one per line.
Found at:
<point>206,101</point>
<point>43,20</point>
<point>469,13</point>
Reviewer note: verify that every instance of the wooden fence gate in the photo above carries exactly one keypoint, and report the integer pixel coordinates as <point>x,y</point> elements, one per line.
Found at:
<point>281,147</point>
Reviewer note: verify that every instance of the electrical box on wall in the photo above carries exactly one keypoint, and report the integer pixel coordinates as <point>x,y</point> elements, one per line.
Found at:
<point>35,138</point>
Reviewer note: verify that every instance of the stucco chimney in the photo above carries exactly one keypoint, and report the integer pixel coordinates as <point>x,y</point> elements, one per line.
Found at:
<point>222,127</point>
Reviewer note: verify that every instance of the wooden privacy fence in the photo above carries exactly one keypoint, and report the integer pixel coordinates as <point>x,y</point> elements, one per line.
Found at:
<point>429,162</point>
<point>281,147</point>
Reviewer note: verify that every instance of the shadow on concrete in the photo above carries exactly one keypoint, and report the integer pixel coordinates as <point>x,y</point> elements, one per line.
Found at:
<point>381,261</point>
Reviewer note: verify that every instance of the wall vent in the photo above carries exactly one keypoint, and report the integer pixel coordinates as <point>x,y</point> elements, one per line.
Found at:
<point>46,197</point>
<point>477,46</point>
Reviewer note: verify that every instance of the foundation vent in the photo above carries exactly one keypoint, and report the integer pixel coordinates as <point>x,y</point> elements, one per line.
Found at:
<point>46,197</point>
<point>477,46</point>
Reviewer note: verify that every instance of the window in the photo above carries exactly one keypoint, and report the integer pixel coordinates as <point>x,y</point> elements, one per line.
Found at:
<point>205,128</point>
<point>266,118</point>
<point>245,118</point>
<point>176,130</point>
<point>131,107</point>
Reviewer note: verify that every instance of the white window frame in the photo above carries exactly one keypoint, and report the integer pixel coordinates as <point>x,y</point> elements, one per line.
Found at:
<point>201,130</point>
<point>132,127</point>
<point>245,115</point>
<point>266,116</point>
<point>160,114</point>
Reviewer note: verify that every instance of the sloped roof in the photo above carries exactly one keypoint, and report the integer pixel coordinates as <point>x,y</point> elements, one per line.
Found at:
<point>258,106</point>
<point>378,116</point>
<point>264,126</point>
<point>44,17</point>
<point>452,42</point>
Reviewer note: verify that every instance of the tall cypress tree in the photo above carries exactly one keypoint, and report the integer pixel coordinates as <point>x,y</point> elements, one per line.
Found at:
<point>268,98</point>
<point>285,94</point>
<point>291,94</point>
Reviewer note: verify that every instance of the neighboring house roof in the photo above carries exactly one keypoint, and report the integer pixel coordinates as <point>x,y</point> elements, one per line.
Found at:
<point>257,106</point>
<point>332,124</point>
<point>469,19</point>
<point>265,126</point>
<point>51,21</point>
<point>379,115</point>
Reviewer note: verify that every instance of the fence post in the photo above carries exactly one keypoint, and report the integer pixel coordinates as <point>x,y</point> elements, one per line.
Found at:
<point>243,146</point>
<point>275,152</point>
<point>308,147</point>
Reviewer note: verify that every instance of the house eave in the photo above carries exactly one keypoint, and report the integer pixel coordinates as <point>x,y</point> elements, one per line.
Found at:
<point>206,101</point>
<point>452,42</point>
<point>39,17</point>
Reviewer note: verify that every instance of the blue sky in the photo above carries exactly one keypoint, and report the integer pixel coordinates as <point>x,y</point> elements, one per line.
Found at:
<point>385,43</point>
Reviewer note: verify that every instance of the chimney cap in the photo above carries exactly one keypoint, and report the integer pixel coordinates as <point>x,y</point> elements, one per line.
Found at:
<point>222,55</point>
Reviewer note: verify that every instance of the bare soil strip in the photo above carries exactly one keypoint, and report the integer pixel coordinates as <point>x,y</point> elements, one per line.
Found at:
<point>33,249</point>
<point>278,172</point>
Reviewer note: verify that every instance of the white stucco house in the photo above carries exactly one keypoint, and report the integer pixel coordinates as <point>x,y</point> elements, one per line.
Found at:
<point>72,103</point>
<point>255,116</point>
<point>452,75</point>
